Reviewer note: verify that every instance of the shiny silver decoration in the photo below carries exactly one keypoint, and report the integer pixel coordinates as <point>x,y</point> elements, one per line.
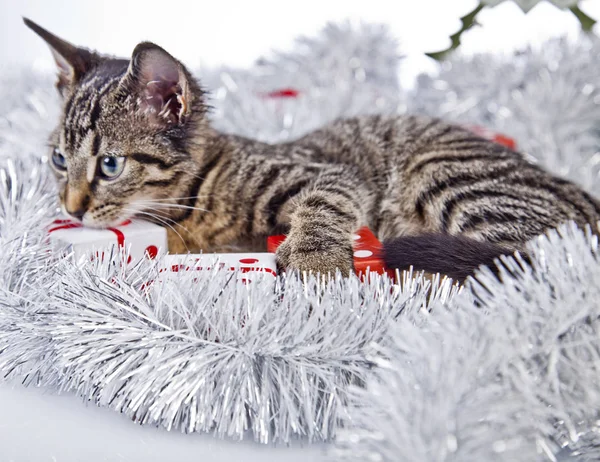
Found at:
<point>199,353</point>
<point>347,70</point>
<point>547,99</point>
<point>513,378</point>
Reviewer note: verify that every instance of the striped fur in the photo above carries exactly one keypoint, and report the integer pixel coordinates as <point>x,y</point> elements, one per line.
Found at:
<point>401,176</point>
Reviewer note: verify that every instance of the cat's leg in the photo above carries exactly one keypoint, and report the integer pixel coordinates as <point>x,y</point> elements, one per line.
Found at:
<point>322,220</point>
<point>395,216</point>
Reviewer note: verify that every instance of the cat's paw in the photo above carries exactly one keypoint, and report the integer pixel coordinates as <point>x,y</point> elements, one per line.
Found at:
<point>311,254</point>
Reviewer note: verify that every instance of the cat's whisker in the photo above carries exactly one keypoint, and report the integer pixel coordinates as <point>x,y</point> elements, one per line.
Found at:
<point>203,178</point>
<point>162,205</point>
<point>164,221</point>
<point>169,226</point>
<point>177,198</point>
<point>176,206</point>
<point>159,216</point>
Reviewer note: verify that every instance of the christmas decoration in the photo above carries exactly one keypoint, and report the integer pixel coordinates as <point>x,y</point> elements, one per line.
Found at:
<point>415,370</point>
<point>249,265</point>
<point>176,354</point>
<point>367,252</point>
<point>547,100</point>
<point>275,100</point>
<point>469,20</point>
<point>514,378</point>
<point>139,238</point>
<point>493,136</point>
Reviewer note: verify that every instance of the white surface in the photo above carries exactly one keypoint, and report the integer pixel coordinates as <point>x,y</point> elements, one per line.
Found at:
<point>37,426</point>
<point>236,32</point>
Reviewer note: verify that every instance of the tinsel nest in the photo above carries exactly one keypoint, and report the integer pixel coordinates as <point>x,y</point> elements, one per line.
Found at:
<point>416,371</point>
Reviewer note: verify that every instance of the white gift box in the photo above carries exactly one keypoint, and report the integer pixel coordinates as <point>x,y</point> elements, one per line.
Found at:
<point>139,238</point>
<point>250,265</point>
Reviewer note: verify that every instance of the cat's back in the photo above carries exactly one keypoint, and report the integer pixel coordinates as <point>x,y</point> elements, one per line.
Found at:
<point>397,136</point>
<point>434,174</point>
<point>397,144</point>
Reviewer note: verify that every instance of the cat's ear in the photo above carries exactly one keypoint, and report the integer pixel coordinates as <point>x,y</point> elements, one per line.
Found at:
<point>161,83</point>
<point>72,62</point>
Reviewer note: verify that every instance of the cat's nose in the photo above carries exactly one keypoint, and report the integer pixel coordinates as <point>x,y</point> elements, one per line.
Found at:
<point>76,202</point>
<point>77,213</point>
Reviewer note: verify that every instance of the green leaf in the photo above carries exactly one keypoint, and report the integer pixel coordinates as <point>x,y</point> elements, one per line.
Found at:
<point>586,22</point>
<point>468,21</point>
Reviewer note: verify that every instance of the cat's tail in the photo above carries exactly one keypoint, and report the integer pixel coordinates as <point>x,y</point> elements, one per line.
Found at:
<point>454,256</point>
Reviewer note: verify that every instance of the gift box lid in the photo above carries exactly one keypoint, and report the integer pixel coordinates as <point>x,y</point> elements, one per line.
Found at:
<point>75,233</point>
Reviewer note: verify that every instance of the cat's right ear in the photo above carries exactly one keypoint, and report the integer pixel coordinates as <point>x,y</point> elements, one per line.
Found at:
<point>72,62</point>
<point>162,85</point>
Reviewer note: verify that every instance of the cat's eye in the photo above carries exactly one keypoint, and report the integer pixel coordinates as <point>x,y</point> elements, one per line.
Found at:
<point>58,160</point>
<point>112,166</point>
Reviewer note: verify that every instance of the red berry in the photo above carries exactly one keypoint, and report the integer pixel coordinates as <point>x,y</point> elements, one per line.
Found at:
<point>151,252</point>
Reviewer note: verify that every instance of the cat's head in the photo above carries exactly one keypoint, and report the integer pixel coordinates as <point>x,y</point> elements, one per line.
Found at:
<point>130,134</point>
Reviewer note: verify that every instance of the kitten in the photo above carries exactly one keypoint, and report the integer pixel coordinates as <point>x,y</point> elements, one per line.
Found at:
<point>134,140</point>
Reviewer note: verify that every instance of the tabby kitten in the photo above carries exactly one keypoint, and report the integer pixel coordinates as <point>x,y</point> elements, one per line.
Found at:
<point>134,140</point>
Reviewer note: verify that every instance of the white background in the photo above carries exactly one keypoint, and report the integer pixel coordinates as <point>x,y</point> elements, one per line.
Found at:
<point>37,426</point>
<point>213,32</point>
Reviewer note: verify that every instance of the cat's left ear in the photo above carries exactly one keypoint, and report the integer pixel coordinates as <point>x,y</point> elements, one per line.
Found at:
<point>72,62</point>
<point>161,83</point>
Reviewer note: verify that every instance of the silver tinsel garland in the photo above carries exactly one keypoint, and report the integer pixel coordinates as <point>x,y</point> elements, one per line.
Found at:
<point>548,100</point>
<point>200,353</point>
<point>417,371</point>
<point>348,70</point>
<point>513,379</point>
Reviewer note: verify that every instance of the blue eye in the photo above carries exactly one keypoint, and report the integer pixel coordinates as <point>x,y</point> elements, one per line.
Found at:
<point>112,166</point>
<point>58,160</point>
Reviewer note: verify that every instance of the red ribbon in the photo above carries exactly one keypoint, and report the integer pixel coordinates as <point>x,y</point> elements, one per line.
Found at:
<point>66,224</point>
